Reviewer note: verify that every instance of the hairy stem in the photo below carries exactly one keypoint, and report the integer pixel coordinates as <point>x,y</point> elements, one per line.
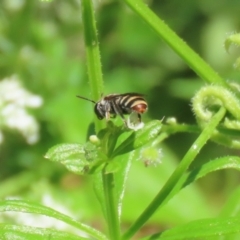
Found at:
<point>96,86</point>
<point>111,206</point>
<point>93,55</point>
<point>177,44</point>
<point>174,178</point>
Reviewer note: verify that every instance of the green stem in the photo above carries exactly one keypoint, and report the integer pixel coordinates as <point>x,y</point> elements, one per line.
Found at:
<point>96,85</point>
<point>178,128</point>
<point>111,206</point>
<point>172,181</point>
<point>177,44</point>
<point>93,55</point>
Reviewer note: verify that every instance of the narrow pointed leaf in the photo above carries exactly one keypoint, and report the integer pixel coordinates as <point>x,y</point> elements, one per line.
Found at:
<point>29,207</point>
<point>9,231</point>
<point>230,162</point>
<point>203,229</point>
<point>231,207</point>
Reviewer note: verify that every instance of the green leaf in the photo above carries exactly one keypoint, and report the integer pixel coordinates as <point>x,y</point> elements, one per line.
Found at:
<point>77,158</point>
<point>121,177</point>
<point>142,183</point>
<point>176,175</point>
<point>202,229</point>
<point>13,232</point>
<point>70,155</point>
<point>120,166</point>
<point>139,138</point>
<point>231,207</point>
<point>109,137</point>
<point>230,162</point>
<point>29,207</point>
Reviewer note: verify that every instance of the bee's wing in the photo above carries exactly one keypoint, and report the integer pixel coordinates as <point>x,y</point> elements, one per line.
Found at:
<point>131,94</point>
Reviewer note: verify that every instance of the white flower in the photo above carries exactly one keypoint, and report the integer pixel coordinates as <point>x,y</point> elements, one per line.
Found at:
<point>14,100</point>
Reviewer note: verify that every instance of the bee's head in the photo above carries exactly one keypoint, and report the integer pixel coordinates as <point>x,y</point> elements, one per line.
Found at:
<point>99,110</point>
<point>101,107</point>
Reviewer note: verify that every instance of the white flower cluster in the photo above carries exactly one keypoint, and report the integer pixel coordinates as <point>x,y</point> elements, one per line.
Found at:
<point>14,100</point>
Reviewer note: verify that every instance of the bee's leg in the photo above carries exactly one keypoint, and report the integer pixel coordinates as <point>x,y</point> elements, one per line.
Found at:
<point>118,111</point>
<point>107,109</point>
<point>107,115</point>
<point>139,117</point>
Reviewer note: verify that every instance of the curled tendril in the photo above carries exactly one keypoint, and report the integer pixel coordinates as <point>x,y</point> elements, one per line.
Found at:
<point>233,40</point>
<point>205,104</point>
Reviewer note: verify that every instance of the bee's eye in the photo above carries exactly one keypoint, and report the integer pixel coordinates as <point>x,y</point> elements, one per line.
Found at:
<point>99,110</point>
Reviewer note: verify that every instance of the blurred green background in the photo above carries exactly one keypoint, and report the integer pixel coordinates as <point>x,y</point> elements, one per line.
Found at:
<point>41,44</point>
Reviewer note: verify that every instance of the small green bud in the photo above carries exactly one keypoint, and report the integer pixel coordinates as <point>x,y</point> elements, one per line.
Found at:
<point>151,156</point>
<point>171,121</point>
<point>94,140</point>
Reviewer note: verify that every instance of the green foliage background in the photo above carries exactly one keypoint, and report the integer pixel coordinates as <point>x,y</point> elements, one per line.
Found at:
<point>42,43</point>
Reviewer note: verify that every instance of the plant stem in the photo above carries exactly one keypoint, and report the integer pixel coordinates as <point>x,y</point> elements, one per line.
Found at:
<point>93,55</point>
<point>96,85</point>
<point>111,206</point>
<point>172,181</point>
<point>177,44</point>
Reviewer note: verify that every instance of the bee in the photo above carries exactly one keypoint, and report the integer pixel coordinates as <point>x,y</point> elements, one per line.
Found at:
<point>119,104</point>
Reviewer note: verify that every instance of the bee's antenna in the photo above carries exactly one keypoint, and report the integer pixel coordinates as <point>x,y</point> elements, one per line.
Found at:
<point>87,99</point>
